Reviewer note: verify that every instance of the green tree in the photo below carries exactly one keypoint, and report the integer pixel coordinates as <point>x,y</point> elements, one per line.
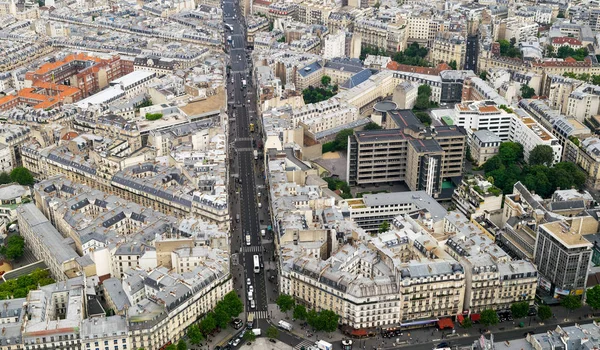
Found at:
<point>483,75</point>
<point>222,317</point>
<point>384,227</point>
<point>171,347</point>
<point>195,335</point>
<point>249,336</point>
<point>488,317</point>
<point>325,80</point>
<point>233,304</point>
<point>312,318</point>
<point>14,248</point>
<point>452,64</point>
<point>208,324</point>
<point>342,139</point>
<point>527,92</point>
<point>519,309</point>
<point>285,302</point>
<point>328,320</point>
<point>544,312</point>
<point>153,116</point>
<point>549,51</point>
<point>413,55</point>
<point>593,297</point>
<point>423,117</point>
<point>300,312</point>
<point>510,152</point>
<point>571,302</point>
<point>4,178</point>
<point>541,155</point>
<point>424,90</point>
<point>181,345</point>
<point>422,102</point>
<point>372,126</point>
<point>22,176</point>
<point>467,323</point>
<point>272,332</point>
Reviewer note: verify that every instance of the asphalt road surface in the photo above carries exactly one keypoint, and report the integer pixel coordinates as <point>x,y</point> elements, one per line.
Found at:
<point>245,170</point>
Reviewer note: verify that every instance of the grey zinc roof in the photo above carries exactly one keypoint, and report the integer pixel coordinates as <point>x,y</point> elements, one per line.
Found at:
<point>310,69</point>
<point>486,136</point>
<point>420,199</point>
<point>114,290</point>
<point>51,238</point>
<point>567,205</point>
<point>357,79</point>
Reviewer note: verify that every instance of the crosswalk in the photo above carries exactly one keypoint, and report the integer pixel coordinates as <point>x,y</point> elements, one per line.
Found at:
<point>251,249</point>
<point>259,315</point>
<point>305,344</point>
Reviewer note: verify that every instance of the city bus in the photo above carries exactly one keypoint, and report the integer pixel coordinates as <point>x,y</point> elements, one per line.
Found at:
<point>256,264</point>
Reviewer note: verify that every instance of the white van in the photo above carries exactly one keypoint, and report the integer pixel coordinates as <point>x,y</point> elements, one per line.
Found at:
<point>263,232</point>
<point>248,240</point>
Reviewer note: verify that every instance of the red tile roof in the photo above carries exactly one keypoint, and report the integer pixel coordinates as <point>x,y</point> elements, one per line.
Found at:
<point>566,40</point>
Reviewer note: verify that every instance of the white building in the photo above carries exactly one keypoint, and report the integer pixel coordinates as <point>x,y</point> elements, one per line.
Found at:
<point>584,102</point>
<point>480,115</point>
<point>335,46</point>
<point>528,132</point>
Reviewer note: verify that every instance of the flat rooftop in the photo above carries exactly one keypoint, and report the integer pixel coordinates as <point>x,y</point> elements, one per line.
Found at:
<point>568,235</point>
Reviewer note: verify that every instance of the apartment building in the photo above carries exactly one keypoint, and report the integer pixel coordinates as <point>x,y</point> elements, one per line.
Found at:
<point>309,75</point>
<point>335,45</point>
<point>518,29</point>
<point>54,315</point>
<point>406,151</point>
<point>310,12</point>
<point>370,92</point>
<point>484,145</point>
<point>584,102</point>
<point>475,196</point>
<point>448,47</point>
<point>11,196</point>
<point>529,133</point>
<point>47,244</point>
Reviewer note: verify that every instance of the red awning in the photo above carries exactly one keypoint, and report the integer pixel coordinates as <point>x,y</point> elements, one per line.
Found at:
<point>445,323</point>
<point>359,332</point>
<point>460,318</point>
<point>475,317</point>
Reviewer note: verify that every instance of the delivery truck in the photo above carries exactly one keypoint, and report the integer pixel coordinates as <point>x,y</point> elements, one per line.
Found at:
<point>323,345</point>
<point>285,325</point>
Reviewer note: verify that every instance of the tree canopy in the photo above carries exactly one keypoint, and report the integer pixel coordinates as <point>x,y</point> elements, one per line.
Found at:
<point>541,155</point>
<point>18,288</point>
<point>508,167</point>
<point>181,345</point>
<point>384,227</point>
<point>372,126</point>
<point>571,302</point>
<point>249,335</point>
<point>325,80</point>
<point>195,335</point>
<point>423,118</point>
<point>527,91</point>
<point>488,317</point>
<point>423,96</point>
<point>285,302</point>
<point>578,55</point>
<point>316,94</point>
<point>14,247</point>
<point>544,312</point>
<point>593,297</point>
<point>326,320</point>
<point>22,176</point>
<point>520,309</point>
<point>413,55</point>
<point>508,48</point>
<point>300,312</point>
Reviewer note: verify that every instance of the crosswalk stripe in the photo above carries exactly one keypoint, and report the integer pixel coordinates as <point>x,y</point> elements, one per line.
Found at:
<point>251,249</point>
<point>305,344</point>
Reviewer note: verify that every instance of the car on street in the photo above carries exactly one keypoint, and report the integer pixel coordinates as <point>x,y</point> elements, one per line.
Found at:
<point>248,282</point>
<point>236,342</point>
<point>252,304</point>
<point>250,289</point>
<point>442,345</point>
<point>237,323</point>
<point>248,242</point>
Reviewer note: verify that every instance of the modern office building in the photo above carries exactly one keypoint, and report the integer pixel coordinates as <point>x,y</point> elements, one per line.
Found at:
<point>406,151</point>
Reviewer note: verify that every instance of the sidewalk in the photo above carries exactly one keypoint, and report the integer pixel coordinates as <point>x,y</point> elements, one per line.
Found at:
<point>276,316</point>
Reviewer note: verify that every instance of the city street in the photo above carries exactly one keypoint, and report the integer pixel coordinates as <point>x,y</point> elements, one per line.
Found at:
<point>248,210</point>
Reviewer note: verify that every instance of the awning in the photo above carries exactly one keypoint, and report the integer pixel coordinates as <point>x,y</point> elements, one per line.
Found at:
<point>475,317</point>
<point>460,318</point>
<point>418,322</point>
<point>359,332</point>
<point>445,323</point>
